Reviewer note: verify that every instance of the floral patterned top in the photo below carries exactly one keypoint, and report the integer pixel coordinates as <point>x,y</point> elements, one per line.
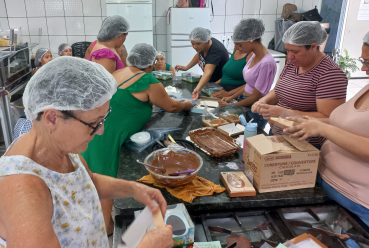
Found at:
<point>77,217</point>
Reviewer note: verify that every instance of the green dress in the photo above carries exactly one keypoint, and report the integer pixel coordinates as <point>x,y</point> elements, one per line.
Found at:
<point>167,67</point>
<point>232,73</point>
<point>127,117</point>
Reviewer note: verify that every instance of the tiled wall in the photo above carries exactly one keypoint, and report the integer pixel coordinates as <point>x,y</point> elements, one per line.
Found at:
<point>227,13</point>
<point>62,21</point>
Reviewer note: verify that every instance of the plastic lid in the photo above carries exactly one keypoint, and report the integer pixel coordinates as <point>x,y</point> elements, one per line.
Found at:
<point>251,127</point>
<point>141,137</point>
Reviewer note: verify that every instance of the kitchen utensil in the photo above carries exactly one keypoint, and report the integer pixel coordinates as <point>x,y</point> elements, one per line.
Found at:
<point>171,139</point>
<point>161,144</point>
<point>154,167</point>
<point>182,172</point>
<point>346,236</point>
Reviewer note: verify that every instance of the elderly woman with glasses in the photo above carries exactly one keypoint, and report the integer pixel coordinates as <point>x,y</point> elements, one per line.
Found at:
<point>49,196</point>
<point>344,164</point>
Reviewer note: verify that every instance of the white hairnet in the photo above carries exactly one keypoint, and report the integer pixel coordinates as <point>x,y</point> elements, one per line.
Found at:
<point>39,54</point>
<point>366,39</point>
<point>160,53</point>
<point>68,83</point>
<point>112,27</point>
<point>141,56</point>
<point>305,33</point>
<point>248,30</point>
<point>200,35</point>
<point>62,47</point>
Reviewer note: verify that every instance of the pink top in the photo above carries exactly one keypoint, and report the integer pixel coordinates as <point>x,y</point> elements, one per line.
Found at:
<point>261,75</point>
<point>106,53</point>
<point>341,169</point>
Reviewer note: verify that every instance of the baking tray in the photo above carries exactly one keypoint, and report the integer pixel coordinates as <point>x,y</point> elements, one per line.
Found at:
<point>214,142</point>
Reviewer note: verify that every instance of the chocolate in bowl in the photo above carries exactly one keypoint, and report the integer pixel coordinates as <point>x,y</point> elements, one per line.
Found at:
<point>179,157</point>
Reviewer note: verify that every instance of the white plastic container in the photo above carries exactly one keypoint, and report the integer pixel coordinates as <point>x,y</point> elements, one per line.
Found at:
<point>141,138</point>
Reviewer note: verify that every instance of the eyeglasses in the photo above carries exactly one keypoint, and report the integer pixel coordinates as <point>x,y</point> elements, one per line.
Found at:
<point>364,62</point>
<point>94,129</point>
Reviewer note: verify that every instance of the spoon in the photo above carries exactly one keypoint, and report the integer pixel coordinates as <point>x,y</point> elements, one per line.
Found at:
<point>154,167</point>
<point>182,172</point>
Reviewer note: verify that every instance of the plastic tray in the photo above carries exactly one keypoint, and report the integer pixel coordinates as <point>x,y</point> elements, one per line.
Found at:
<point>191,77</point>
<point>214,142</point>
<point>163,75</point>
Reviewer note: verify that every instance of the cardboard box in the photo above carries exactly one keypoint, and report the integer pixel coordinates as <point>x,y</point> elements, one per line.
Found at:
<point>246,190</point>
<point>281,163</point>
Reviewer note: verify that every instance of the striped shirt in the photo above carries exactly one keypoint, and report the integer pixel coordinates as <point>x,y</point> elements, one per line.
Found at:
<point>325,80</point>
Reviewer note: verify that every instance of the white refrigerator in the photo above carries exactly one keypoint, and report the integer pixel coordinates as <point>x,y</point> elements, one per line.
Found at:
<point>180,23</point>
<point>139,15</point>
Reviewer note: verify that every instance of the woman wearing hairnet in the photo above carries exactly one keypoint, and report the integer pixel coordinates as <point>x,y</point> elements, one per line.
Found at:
<point>344,165</point>
<point>160,63</point>
<point>211,55</point>
<point>65,50</point>
<point>137,88</point>
<point>49,196</point>
<point>311,83</point>
<point>112,34</point>
<point>43,56</point>
<point>259,71</point>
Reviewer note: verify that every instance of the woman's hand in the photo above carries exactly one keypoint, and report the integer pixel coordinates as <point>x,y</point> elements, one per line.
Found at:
<point>268,111</point>
<point>220,94</point>
<point>227,99</point>
<point>223,103</point>
<point>145,194</point>
<point>180,68</point>
<point>256,107</point>
<point>188,105</point>
<point>158,237</point>
<point>305,127</point>
<point>195,94</point>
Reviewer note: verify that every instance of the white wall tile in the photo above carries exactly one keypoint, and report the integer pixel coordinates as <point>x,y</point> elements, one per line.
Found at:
<point>35,23</point>
<point>307,5</point>
<point>55,42</point>
<point>92,25</point>
<point>160,25</point>
<point>35,8</point>
<point>162,7</point>
<point>231,22</point>
<point>269,21</point>
<point>15,8</point>
<point>73,8</point>
<point>251,16</point>
<point>56,26</point>
<point>19,22</point>
<point>281,3</point>
<point>154,41</point>
<point>91,38</point>
<point>4,24</point>
<point>42,41</point>
<point>268,7</point>
<point>75,38</point>
<point>318,4</point>
<point>299,4</point>
<point>217,25</point>
<point>234,7</point>
<point>75,26</point>
<point>218,37</point>
<point>267,38</point>
<point>161,42</point>
<point>251,7</point>
<point>154,7</point>
<point>219,7</point>
<point>54,7</point>
<point>229,43</point>
<point>3,13</point>
<point>91,7</point>
<point>103,7</point>
<point>26,38</point>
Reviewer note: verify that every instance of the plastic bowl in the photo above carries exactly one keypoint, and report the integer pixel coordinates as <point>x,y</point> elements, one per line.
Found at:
<point>173,181</point>
<point>141,138</point>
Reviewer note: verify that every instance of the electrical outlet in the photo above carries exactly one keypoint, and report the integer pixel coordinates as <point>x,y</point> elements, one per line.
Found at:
<point>228,38</point>
<point>224,38</point>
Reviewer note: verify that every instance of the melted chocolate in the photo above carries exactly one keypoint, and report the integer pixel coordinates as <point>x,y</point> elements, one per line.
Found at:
<point>175,161</point>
